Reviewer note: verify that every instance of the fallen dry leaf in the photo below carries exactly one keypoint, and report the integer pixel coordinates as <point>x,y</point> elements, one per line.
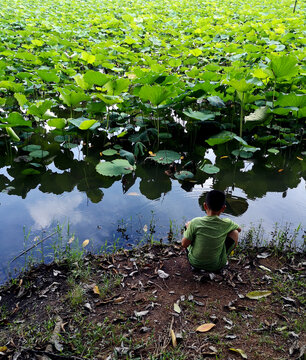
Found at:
<point>177,308</point>
<point>96,290</point>
<point>205,327</point>
<point>162,274</point>
<point>255,295</point>
<point>85,243</point>
<point>71,239</point>
<point>119,300</point>
<point>3,348</point>
<point>240,351</point>
<point>173,338</point>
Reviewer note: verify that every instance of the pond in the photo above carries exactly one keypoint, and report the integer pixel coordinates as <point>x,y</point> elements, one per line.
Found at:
<point>147,205</point>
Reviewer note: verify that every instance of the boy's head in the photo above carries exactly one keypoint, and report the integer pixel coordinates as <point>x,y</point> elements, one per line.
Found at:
<point>215,200</point>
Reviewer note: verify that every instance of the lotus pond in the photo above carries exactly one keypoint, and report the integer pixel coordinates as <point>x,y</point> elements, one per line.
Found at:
<point>117,117</point>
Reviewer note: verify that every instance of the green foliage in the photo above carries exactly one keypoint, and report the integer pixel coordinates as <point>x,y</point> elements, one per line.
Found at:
<point>166,157</point>
<point>116,167</point>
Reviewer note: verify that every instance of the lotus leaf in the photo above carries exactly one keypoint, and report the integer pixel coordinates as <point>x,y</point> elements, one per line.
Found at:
<point>31,147</point>
<point>258,115</point>
<point>48,76</point>
<point>116,167</point>
<point>39,153</point>
<point>84,124</point>
<point>210,169</point>
<point>57,123</point>
<point>30,172</point>
<point>128,155</point>
<point>284,66</point>
<point>166,156</point>
<point>109,152</point>
<point>216,101</point>
<point>200,115</point>
<point>183,175</point>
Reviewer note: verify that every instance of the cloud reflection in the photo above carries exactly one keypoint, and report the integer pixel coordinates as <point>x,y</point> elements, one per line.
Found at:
<point>53,208</point>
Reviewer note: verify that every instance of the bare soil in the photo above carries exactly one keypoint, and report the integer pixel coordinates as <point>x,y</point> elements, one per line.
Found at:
<point>121,306</point>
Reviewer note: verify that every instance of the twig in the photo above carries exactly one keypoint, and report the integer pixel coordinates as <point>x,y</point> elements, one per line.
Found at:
<point>33,246</point>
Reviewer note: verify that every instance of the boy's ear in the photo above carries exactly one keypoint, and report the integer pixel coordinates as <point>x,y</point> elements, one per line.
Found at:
<point>205,206</point>
<point>223,208</point>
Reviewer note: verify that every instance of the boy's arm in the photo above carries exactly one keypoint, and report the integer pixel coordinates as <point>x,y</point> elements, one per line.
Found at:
<point>185,242</point>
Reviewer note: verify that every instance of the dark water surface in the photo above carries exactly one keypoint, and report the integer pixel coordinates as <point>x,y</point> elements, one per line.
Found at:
<point>137,208</point>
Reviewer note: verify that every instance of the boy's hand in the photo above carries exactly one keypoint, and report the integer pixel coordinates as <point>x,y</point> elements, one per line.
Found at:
<point>186,225</point>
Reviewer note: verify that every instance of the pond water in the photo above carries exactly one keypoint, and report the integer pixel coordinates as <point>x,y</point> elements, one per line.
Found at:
<point>146,205</point>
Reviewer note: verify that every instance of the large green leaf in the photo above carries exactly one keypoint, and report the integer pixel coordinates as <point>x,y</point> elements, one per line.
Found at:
<point>48,75</point>
<point>210,169</point>
<point>241,85</point>
<point>16,119</point>
<point>216,101</point>
<point>57,123</point>
<point>156,94</point>
<point>116,87</point>
<point>116,167</point>
<point>291,100</point>
<point>259,114</point>
<point>73,98</point>
<point>166,156</point>
<point>223,137</point>
<point>39,108</point>
<point>284,67</point>
<point>128,155</point>
<point>84,124</point>
<point>200,115</point>
<point>183,175</point>
<point>95,78</point>
<point>39,153</point>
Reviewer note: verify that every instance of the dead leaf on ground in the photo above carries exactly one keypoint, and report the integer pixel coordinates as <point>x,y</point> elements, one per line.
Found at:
<point>177,308</point>
<point>173,338</point>
<point>141,313</point>
<point>262,267</point>
<point>162,274</point>
<point>119,300</point>
<point>240,351</point>
<point>205,327</point>
<point>96,290</point>
<point>85,243</point>
<point>255,295</point>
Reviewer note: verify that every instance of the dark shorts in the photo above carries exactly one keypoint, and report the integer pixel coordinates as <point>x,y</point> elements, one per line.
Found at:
<point>229,245</point>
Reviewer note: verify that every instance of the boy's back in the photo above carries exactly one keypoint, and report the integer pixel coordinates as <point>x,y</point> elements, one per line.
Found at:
<point>207,235</point>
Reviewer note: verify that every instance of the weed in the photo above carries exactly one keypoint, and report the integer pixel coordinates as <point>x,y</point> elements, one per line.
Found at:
<point>76,294</point>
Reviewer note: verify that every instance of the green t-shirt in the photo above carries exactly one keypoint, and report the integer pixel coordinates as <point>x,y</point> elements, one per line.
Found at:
<point>207,235</point>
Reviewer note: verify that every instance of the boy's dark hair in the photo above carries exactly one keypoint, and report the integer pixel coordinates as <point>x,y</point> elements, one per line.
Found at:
<point>215,199</point>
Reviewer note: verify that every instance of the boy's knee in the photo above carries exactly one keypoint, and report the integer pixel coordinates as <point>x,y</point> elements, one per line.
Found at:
<point>234,234</point>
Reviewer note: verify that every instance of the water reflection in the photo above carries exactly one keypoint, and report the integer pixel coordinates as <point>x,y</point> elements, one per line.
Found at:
<point>44,212</point>
<point>235,205</point>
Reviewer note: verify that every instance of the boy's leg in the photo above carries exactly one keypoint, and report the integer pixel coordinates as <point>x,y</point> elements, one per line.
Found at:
<point>231,241</point>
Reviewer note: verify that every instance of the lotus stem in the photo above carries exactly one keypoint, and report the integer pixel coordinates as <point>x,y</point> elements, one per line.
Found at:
<point>241,115</point>
<point>294,6</point>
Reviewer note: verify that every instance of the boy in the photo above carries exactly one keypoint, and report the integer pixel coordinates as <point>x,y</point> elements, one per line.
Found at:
<point>210,239</point>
